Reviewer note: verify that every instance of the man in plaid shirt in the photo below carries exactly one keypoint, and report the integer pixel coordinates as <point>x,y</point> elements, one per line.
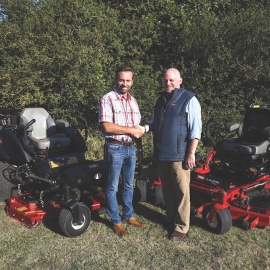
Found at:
<point>120,117</point>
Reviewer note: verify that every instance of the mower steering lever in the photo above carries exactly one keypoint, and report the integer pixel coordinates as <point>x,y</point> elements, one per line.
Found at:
<point>25,130</point>
<point>207,135</point>
<point>85,127</point>
<point>52,182</point>
<point>255,186</point>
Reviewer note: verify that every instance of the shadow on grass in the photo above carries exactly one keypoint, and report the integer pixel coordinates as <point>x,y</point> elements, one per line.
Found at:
<point>149,213</point>
<point>197,222</point>
<point>97,218</point>
<point>53,226</point>
<point>139,209</point>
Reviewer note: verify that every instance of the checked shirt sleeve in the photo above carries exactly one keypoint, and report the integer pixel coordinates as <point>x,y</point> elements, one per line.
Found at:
<point>105,113</point>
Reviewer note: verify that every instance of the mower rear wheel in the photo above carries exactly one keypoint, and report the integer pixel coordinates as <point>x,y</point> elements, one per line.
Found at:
<point>71,228</point>
<point>222,222</point>
<point>6,186</point>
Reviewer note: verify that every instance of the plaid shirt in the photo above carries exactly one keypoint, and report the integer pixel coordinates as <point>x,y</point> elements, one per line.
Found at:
<point>114,108</point>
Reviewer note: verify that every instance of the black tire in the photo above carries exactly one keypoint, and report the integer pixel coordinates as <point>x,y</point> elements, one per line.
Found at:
<point>69,227</point>
<point>222,222</point>
<point>159,199</point>
<point>140,192</point>
<point>6,186</point>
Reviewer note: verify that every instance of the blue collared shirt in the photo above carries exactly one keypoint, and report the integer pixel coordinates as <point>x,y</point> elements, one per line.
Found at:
<point>193,110</point>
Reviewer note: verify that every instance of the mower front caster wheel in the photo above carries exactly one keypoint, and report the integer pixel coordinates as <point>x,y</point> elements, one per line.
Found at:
<point>71,228</point>
<point>221,223</point>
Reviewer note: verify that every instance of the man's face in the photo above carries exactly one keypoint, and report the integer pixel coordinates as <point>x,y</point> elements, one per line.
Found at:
<point>124,81</point>
<point>171,81</point>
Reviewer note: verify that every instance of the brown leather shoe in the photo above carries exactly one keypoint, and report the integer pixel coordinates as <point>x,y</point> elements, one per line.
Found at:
<point>177,236</point>
<point>120,230</point>
<point>133,221</point>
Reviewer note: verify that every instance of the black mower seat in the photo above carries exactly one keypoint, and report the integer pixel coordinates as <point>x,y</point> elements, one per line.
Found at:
<point>236,146</point>
<point>253,133</point>
<point>43,133</point>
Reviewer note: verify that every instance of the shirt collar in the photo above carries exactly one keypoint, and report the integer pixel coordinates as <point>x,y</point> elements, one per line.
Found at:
<point>119,94</point>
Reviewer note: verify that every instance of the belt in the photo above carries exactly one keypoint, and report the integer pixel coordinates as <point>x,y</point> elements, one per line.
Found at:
<point>111,140</point>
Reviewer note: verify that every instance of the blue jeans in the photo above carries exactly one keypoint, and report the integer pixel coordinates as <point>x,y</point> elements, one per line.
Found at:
<point>119,158</point>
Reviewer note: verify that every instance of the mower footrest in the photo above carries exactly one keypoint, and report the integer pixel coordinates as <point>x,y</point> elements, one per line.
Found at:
<point>28,213</point>
<point>255,219</point>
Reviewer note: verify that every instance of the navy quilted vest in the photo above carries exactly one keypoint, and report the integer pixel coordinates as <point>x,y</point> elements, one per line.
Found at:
<point>170,126</point>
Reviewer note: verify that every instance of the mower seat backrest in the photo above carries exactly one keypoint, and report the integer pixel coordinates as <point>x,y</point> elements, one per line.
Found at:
<point>255,125</point>
<point>253,134</point>
<point>43,133</point>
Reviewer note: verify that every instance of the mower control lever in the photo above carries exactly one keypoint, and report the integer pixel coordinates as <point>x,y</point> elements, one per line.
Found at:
<point>85,127</point>
<point>25,130</point>
<point>52,182</point>
<point>30,123</point>
<point>208,137</point>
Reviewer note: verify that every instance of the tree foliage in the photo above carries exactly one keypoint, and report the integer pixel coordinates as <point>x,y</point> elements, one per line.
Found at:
<point>62,54</point>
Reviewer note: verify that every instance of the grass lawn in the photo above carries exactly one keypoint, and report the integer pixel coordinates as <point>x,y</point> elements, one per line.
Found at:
<point>43,247</point>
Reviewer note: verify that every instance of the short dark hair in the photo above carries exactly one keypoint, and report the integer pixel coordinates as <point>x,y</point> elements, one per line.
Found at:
<point>122,69</point>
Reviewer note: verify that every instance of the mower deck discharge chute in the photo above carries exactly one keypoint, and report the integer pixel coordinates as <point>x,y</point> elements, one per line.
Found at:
<point>233,183</point>
<point>44,173</point>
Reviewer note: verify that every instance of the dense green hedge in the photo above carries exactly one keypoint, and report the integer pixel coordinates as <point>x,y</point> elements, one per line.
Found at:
<point>62,54</point>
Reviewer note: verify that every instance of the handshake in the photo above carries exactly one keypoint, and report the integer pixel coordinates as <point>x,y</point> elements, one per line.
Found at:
<point>138,131</point>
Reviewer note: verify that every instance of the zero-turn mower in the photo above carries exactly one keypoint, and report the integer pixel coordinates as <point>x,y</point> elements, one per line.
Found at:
<point>233,182</point>
<point>43,171</point>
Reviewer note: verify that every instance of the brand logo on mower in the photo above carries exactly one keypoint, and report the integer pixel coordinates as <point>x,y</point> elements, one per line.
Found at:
<point>93,166</point>
<point>212,181</point>
<point>200,177</point>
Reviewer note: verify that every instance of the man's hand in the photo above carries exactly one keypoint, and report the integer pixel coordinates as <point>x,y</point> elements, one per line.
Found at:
<point>139,131</point>
<point>190,161</point>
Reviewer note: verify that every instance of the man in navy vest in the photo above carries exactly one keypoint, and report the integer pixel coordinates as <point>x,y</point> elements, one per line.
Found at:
<point>177,130</point>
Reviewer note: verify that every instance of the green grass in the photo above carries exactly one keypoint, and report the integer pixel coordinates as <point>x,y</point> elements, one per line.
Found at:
<point>43,247</point>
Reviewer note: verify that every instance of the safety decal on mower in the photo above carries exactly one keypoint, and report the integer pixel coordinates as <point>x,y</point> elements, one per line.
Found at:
<point>72,160</point>
<point>23,208</point>
<point>56,164</point>
<point>64,161</point>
